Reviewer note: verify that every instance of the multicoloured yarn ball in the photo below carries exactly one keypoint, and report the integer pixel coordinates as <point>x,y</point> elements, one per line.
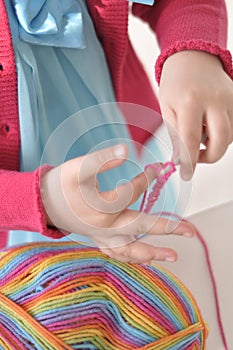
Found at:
<point>70,296</point>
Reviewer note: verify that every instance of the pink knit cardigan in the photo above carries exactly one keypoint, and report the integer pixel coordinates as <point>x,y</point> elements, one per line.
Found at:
<point>178,24</point>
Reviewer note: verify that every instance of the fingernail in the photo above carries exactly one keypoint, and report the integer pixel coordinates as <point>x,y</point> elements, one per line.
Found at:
<point>188,234</point>
<point>186,176</point>
<point>170,259</point>
<point>119,151</point>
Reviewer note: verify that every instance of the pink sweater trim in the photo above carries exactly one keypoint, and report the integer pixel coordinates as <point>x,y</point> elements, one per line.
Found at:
<point>9,122</point>
<point>200,45</point>
<point>51,232</point>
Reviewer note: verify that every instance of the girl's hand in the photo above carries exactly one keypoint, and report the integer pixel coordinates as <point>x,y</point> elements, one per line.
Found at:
<point>74,203</point>
<point>196,100</point>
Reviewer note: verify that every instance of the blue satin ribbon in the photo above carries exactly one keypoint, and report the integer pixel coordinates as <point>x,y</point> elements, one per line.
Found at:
<point>50,22</point>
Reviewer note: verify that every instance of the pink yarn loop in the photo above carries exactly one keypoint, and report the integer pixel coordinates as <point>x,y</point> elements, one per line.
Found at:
<point>164,172</point>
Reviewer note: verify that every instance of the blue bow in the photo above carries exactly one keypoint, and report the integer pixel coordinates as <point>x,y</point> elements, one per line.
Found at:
<point>50,22</point>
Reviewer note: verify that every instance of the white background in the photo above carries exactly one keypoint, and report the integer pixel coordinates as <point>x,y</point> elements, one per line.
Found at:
<point>212,184</point>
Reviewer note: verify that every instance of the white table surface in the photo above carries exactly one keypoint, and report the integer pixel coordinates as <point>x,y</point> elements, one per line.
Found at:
<point>216,226</point>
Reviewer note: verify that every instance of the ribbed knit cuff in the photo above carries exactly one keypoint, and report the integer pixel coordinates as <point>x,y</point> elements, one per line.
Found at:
<point>223,54</point>
<point>45,230</point>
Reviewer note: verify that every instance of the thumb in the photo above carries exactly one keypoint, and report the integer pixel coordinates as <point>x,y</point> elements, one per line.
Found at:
<point>102,160</point>
<point>97,162</point>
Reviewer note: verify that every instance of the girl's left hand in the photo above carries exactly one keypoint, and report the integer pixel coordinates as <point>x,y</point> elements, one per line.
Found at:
<point>196,99</point>
<point>73,202</point>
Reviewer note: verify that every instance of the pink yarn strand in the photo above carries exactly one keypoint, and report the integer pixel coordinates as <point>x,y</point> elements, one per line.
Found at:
<point>214,283</point>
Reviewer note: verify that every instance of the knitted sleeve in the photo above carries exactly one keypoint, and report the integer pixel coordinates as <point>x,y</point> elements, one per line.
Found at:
<point>21,205</point>
<point>188,25</point>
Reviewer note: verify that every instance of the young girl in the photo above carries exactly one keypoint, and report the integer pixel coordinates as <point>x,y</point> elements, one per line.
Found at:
<point>57,59</point>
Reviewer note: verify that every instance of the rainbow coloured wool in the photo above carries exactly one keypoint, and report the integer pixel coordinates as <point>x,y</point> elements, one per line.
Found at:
<point>58,296</point>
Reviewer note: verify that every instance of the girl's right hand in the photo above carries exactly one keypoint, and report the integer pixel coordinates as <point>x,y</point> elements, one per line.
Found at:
<point>73,202</point>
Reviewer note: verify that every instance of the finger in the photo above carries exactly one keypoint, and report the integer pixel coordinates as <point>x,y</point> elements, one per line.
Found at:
<point>189,127</point>
<point>138,252</point>
<point>141,182</point>
<point>134,188</point>
<point>219,136</point>
<point>133,223</point>
<point>102,160</point>
<point>169,117</point>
